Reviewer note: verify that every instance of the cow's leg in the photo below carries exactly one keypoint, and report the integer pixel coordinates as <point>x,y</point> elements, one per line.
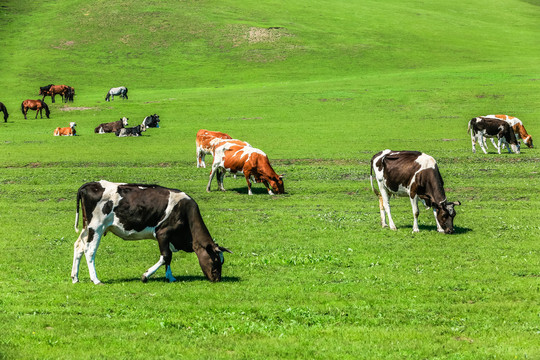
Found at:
<point>164,259</point>
<point>78,251</point>
<point>416,212</point>
<point>384,202</point>
<point>212,174</point>
<point>91,246</point>
<point>473,142</point>
<point>493,142</point>
<point>246,175</point>
<point>220,177</point>
<point>481,143</point>
<point>268,187</point>
<point>439,227</point>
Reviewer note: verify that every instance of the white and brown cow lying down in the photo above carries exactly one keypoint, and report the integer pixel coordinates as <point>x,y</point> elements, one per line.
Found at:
<point>482,127</point>
<point>517,126</point>
<point>132,131</point>
<point>204,146</point>
<point>66,131</point>
<point>134,212</point>
<point>416,175</point>
<point>111,127</point>
<point>234,157</point>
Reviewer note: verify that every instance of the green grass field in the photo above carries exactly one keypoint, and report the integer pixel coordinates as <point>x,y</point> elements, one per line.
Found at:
<point>320,86</point>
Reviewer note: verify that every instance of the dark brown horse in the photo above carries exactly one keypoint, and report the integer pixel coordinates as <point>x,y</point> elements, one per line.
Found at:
<point>61,90</point>
<point>4,110</point>
<point>37,105</point>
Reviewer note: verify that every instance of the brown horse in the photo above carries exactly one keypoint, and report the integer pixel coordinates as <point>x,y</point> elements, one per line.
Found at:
<point>37,105</point>
<point>61,90</point>
<point>4,110</point>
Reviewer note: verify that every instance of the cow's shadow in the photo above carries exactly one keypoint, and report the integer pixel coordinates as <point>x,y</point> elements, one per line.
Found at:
<point>457,229</point>
<point>254,190</point>
<point>180,278</point>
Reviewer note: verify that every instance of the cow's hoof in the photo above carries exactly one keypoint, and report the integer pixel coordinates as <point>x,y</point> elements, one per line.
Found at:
<point>144,279</point>
<point>74,280</point>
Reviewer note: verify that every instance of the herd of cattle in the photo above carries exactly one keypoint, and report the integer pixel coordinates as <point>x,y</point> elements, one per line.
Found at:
<point>140,211</point>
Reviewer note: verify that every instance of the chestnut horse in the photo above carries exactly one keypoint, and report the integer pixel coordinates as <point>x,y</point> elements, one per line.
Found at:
<point>4,110</point>
<point>53,90</point>
<point>37,105</point>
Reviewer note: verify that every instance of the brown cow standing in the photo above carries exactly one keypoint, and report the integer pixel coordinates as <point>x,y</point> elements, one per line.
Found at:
<point>234,158</point>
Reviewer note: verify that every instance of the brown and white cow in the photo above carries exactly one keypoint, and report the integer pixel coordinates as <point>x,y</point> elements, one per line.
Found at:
<point>203,144</point>
<point>517,126</point>
<point>135,212</point>
<point>416,175</point>
<point>482,127</point>
<point>66,131</point>
<point>252,162</point>
<point>111,127</point>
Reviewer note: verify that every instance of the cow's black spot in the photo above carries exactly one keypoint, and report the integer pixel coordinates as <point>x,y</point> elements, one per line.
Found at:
<point>91,233</point>
<point>107,208</point>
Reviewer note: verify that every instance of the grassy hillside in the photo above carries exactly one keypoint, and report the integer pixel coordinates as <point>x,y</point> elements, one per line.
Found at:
<point>320,86</point>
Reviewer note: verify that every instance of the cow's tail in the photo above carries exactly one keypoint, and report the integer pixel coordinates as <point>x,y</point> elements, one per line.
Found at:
<point>371,179</point>
<point>469,126</point>
<point>77,212</point>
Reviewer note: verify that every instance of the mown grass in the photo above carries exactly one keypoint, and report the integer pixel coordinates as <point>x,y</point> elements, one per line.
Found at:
<point>312,275</point>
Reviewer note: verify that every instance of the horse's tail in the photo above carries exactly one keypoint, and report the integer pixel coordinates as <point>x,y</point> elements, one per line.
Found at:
<point>22,107</point>
<point>47,112</point>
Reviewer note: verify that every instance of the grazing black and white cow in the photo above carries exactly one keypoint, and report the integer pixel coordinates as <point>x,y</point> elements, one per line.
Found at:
<point>483,127</point>
<point>132,131</point>
<point>151,121</point>
<point>134,212</point>
<point>111,126</point>
<point>416,175</point>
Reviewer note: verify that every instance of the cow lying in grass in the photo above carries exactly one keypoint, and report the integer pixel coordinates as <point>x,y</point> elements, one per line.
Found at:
<point>132,131</point>
<point>66,131</point>
<point>135,212</point>
<point>111,127</point>
<point>151,121</point>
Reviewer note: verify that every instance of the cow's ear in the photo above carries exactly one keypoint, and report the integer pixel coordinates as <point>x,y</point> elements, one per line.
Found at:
<point>281,176</point>
<point>221,248</point>
<point>456,203</point>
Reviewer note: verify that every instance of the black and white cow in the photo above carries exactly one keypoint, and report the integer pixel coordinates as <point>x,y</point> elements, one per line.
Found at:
<point>151,121</point>
<point>481,128</point>
<point>416,175</point>
<point>132,131</point>
<point>135,212</point>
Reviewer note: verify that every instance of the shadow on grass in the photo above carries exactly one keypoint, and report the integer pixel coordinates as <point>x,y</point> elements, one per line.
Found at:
<point>457,229</point>
<point>186,278</point>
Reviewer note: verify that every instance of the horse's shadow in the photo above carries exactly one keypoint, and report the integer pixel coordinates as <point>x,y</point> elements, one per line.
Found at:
<point>179,279</point>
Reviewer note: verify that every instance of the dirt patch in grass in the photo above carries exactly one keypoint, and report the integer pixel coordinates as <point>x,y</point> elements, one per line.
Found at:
<point>73,108</point>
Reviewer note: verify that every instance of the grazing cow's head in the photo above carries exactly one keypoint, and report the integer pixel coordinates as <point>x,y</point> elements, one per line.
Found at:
<point>124,121</point>
<point>211,260</point>
<point>445,215</point>
<point>277,184</point>
<point>528,141</point>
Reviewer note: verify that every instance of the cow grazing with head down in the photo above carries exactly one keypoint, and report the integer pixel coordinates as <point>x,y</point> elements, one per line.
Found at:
<point>252,162</point>
<point>135,212</point>
<point>203,145</point>
<point>151,121</point>
<point>416,175</point>
<point>66,131</point>
<point>517,126</point>
<point>132,131</point>
<point>482,127</point>
<point>111,126</point>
